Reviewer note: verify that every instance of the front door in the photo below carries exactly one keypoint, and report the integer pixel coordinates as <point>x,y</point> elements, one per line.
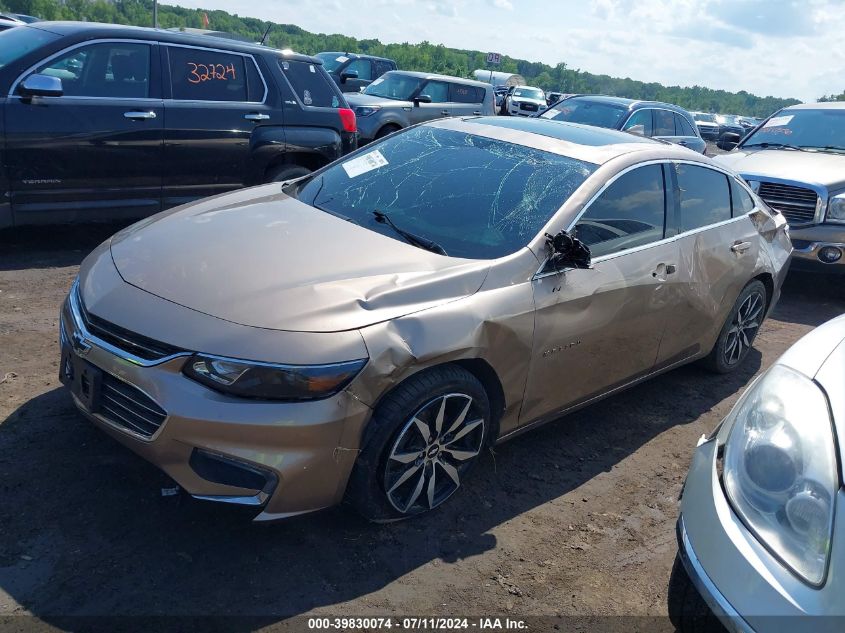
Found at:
<point>438,92</point>
<point>600,328</point>
<point>217,99</point>
<point>96,151</point>
<point>364,68</point>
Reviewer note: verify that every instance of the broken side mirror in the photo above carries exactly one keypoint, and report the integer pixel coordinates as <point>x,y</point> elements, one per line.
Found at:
<point>566,251</point>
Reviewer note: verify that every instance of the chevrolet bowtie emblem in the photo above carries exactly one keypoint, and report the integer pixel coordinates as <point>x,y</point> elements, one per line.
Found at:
<point>79,344</point>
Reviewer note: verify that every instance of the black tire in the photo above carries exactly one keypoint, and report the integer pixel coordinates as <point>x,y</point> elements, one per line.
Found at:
<point>387,129</point>
<point>390,433</point>
<point>738,332</point>
<point>687,610</point>
<point>286,172</point>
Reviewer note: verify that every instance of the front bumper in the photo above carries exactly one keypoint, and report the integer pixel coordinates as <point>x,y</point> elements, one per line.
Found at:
<point>300,453</point>
<point>808,244</point>
<point>745,586</point>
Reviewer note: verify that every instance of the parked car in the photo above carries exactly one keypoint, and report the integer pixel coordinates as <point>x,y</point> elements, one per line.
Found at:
<point>644,118</point>
<point>707,127</point>
<point>748,123</point>
<point>353,72</point>
<point>730,124</point>
<point>98,128</point>
<point>21,17</point>
<point>401,98</point>
<point>363,333</point>
<point>9,22</point>
<point>553,97</point>
<point>796,163</point>
<point>524,101</point>
<point>499,92</point>
<point>760,531</point>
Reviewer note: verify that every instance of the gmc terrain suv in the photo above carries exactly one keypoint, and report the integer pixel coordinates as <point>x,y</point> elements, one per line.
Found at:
<point>105,122</point>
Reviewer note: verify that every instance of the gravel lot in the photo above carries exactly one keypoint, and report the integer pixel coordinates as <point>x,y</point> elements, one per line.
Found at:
<point>576,518</point>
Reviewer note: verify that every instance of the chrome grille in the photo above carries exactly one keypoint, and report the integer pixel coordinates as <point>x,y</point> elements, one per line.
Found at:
<point>798,204</point>
<point>123,339</point>
<point>128,407</point>
<point>530,107</point>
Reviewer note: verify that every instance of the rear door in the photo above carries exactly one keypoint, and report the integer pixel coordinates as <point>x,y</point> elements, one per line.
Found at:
<point>719,249</point>
<point>598,329</point>
<point>215,101</point>
<point>686,134</point>
<point>95,152</point>
<point>465,100</point>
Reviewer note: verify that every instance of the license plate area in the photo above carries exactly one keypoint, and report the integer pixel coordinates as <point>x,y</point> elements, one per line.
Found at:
<point>83,379</point>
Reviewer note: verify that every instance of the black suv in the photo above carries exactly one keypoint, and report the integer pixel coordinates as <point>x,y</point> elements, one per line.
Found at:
<point>353,72</point>
<point>105,122</point>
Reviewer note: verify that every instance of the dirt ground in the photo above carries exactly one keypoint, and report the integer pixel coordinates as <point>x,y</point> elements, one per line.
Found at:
<point>576,518</point>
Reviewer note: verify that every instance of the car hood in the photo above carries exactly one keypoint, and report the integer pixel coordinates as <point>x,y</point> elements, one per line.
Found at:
<point>360,99</point>
<point>260,258</point>
<point>825,170</point>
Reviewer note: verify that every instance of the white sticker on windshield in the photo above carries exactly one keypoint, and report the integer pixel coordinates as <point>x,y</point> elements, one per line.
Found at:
<point>363,164</point>
<point>779,120</point>
<point>341,59</point>
<point>377,81</point>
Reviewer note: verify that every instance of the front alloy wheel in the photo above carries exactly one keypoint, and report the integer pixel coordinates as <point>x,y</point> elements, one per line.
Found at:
<point>432,453</point>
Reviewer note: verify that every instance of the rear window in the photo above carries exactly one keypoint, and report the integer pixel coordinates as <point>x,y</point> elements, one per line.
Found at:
<point>312,87</point>
<point>587,112</point>
<point>476,197</point>
<point>204,75</point>
<point>21,40</point>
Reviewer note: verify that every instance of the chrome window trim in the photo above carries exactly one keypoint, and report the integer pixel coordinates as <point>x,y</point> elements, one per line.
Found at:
<point>250,56</point>
<point>660,161</point>
<point>635,110</point>
<point>79,325</point>
<point>50,58</point>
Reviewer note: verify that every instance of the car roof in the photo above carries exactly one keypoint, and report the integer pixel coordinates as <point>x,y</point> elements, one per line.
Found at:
<point>356,55</point>
<point>93,30</point>
<point>631,104</point>
<point>824,105</point>
<point>466,82</point>
<point>582,142</point>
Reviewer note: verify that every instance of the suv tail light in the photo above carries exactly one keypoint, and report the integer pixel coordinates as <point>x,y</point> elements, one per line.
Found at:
<point>347,120</point>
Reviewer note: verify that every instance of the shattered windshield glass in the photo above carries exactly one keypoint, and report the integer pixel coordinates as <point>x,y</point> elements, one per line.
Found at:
<point>476,197</point>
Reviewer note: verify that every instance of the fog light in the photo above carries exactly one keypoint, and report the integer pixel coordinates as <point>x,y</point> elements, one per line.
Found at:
<point>830,254</point>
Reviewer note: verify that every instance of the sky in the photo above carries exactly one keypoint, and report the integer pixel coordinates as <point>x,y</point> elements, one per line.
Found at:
<point>784,48</point>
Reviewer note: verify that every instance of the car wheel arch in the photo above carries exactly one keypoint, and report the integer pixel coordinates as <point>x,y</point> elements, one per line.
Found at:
<point>303,159</point>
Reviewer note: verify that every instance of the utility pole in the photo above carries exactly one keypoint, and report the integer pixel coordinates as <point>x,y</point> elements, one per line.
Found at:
<point>155,14</point>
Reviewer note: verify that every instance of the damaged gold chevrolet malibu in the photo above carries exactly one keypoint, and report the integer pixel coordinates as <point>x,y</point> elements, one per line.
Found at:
<point>364,333</point>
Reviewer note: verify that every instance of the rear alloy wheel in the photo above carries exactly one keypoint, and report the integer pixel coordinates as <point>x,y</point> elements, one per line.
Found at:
<point>287,172</point>
<point>432,453</point>
<point>738,334</point>
<point>421,444</point>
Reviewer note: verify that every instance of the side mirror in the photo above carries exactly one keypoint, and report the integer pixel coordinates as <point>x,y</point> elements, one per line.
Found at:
<point>728,141</point>
<point>421,99</point>
<point>348,74</point>
<point>41,86</point>
<point>566,251</point>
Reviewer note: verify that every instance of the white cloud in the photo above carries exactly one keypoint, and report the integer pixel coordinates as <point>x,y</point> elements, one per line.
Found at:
<point>503,4</point>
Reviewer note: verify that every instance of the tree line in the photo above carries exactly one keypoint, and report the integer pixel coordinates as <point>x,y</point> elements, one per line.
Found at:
<point>424,56</point>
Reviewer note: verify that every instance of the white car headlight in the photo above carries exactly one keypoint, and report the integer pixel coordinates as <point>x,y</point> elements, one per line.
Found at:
<point>780,469</point>
<point>836,209</point>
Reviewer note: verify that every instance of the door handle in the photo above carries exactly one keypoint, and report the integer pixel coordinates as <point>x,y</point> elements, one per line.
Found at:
<point>256,116</point>
<point>740,247</point>
<point>477,112</point>
<point>444,112</point>
<point>139,115</point>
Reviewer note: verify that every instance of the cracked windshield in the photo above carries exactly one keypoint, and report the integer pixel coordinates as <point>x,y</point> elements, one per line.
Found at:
<point>473,196</point>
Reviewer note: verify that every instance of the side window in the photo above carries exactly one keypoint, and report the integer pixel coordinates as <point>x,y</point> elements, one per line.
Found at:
<point>664,123</point>
<point>464,94</point>
<point>437,90</point>
<point>255,85</point>
<point>381,68</point>
<point>705,198</point>
<point>103,70</point>
<point>203,75</point>
<point>741,201</point>
<point>363,67</point>
<point>631,212</point>
<point>639,123</point>
<point>313,87</point>
<point>683,127</point>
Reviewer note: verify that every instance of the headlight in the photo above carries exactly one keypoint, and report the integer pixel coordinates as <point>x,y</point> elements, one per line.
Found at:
<point>271,382</point>
<point>836,209</point>
<point>366,110</point>
<point>780,469</point>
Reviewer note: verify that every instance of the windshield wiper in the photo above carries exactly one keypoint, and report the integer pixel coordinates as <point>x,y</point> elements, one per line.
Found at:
<point>826,148</point>
<point>775,145</point>
<point>416,240</point>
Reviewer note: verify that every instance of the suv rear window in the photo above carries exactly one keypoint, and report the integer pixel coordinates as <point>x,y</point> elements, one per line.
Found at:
<point>310,83</point>
<point>205,75</point>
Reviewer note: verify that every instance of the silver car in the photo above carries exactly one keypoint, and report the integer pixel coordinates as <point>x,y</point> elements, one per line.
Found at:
<point>760,534</point>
